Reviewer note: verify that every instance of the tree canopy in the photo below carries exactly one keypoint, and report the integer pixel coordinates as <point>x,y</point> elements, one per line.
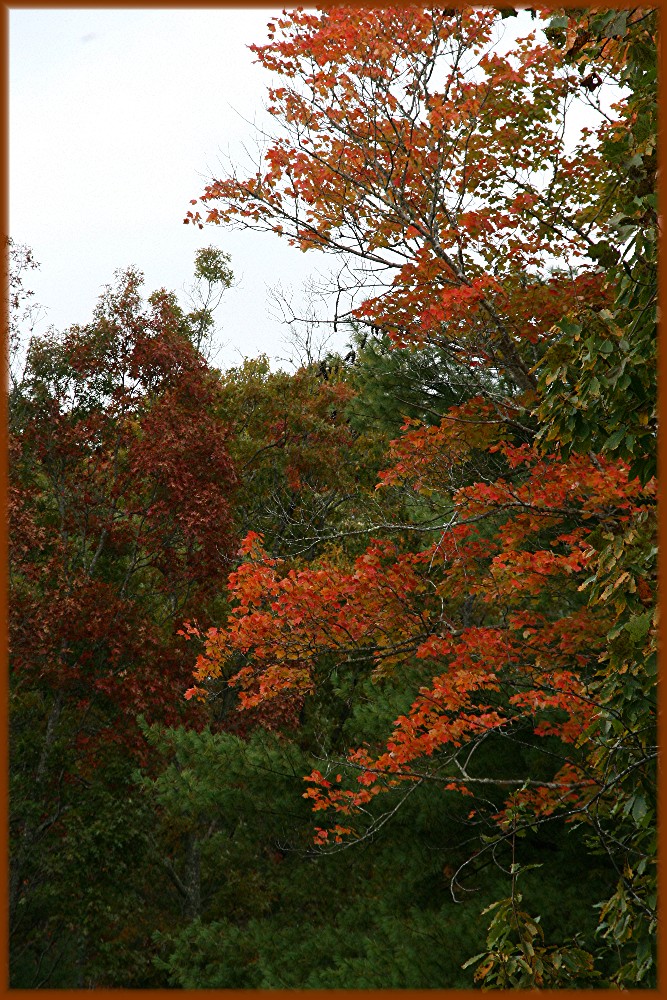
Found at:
<point>346,678</point>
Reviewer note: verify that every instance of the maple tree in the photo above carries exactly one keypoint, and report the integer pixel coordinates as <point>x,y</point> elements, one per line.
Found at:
<point>446,170</point>
<point>412,145</point>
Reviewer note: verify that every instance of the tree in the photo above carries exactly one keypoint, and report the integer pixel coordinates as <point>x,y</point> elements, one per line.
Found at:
<point>294,450</point>
<point>120,523</point>
<point>445,169</point>
<point>606,369</point>
<point>413,147</point>
<point>24,313</point>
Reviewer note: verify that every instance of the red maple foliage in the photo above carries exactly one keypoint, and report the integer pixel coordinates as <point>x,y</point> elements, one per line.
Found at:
<point>120,510</point>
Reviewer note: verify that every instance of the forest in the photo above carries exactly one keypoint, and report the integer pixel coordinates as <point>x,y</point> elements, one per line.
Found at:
<point>344,676</point>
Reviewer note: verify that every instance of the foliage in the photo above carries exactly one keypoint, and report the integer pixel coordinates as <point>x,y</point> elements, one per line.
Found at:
<point>434,652</point>
<point>443,167</point>
<point>276,914</point>
<point>610,362</point>
<point>120,522</point>
<point>599,378</point>
<point>300,467</point>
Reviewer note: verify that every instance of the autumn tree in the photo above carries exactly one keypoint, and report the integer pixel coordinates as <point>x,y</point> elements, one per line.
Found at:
<point>447,171</point>
<point>120,523</point>
<point>412,146</point>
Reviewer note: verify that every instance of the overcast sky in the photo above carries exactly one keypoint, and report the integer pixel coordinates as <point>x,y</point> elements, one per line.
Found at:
<point>117,119</point>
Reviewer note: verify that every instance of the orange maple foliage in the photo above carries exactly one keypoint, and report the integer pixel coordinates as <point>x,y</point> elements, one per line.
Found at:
<point>529,660</point>
<point>411,145</point>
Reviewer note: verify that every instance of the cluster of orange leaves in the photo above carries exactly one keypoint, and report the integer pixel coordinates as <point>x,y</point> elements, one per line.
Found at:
<point>532,662</point>
<point>356,170</point>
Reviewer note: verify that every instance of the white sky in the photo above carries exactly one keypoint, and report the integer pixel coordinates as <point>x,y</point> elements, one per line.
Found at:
<point>117,119</point>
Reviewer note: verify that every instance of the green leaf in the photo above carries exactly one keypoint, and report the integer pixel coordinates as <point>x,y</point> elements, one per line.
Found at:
<point>613,442</point>
<point>618,27</point>
<point>639,808</point>
<point>475,958</point>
